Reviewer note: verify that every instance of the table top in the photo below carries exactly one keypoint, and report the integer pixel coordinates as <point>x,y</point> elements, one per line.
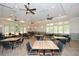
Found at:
<point>57,37</point>
<point>38,35</point>
<point>9,39</point>
<point>44,45</point>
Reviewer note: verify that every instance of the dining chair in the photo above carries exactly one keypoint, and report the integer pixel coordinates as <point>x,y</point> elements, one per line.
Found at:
<point>1,36</point>
<point>7,45</point>
<point>19,34</point>
<point>63,41</point>
<point>20,41</point>
<point>30,50</point>
<point>61,47</point>
<point>68,41</point>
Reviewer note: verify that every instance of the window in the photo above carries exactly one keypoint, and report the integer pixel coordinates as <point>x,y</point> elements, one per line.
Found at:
<point>66,29</point>
<point>25,30</point>
<point>58,27</point>
<point>49,28</point>
<point>14,28</point>
<point>6,29</point>
<point>55,29</point>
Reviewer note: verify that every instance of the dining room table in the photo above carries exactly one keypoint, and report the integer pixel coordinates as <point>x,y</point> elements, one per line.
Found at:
<point>39,37</point>
<point>60,37</point>
<point>11,40</point>
<point>44,45</point>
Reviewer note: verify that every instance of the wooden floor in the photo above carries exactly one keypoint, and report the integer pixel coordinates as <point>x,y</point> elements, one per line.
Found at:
<point>22,50</point>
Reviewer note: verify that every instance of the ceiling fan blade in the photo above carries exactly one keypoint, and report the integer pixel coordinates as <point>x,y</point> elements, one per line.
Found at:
<point>26,12</point>
<point>22,9</point>
<point>26,6</point>
<point>33,9</point>
<point>50,18</point>
<point>30,10</point>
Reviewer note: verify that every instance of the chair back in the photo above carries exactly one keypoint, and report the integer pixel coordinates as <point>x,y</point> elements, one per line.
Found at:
<point>69,39</point>
<point>1,36</point>
<point>60,45</point>
<point>63,41</point>
<point>22,39</point>
<point>7,45</point>
<point>28,47</point>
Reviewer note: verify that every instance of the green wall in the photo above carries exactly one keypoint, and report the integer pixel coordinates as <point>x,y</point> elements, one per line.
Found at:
<point>74,36</point>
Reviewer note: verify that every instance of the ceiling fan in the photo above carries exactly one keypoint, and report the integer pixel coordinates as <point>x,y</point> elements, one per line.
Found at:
<point>28,10</point>
<point>49,18</point>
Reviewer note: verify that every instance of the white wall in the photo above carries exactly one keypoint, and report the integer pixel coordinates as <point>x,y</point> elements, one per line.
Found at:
<point>0,29</point>
<point>74,28</point>
<point>74,25</point>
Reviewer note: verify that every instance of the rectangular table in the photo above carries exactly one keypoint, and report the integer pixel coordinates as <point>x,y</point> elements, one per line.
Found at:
<point>39,37</point>
<point>12,40</point>
<point>44,45</point>
<point>56,37</point>
<point>9,39</point>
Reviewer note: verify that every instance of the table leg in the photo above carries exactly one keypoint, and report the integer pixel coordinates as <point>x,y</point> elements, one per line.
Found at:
<point>12,45</point>
<point>53,52</point>
<point>43,52</point>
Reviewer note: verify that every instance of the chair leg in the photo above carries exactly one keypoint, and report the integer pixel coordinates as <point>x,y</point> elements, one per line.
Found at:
<point>69,44</point>
<point>59,53</point>
<point>2,49</point>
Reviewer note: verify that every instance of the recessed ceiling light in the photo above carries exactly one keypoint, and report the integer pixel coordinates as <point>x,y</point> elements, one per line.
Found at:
<point>52,7</point>
<point>16,6</point>
<point>28,11</point>
<point>22,21</point>
<point>41,26</point>
<point>12,14</point>
<point>59,15</point>
<point>9,19</point>
<point>62,16</point>
<point>0,25</point>
<point>28,26</point>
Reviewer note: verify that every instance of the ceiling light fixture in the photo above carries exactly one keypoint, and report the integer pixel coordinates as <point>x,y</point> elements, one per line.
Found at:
<point>59,15</point>
<point>9,19</point>
<point>16,6</point>
<point>22,21</point>
<point>53,7</point>
<point>0,25</point>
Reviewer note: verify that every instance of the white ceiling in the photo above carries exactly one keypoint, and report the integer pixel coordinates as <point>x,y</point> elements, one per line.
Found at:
<point>43,9</point>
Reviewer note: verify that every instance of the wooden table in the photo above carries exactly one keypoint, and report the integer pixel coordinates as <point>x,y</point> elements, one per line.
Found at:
<point>12,40</point>
<point>44,45</point>
<point>39,37</point>
<point>9,39</point>
<point>57,37</point>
